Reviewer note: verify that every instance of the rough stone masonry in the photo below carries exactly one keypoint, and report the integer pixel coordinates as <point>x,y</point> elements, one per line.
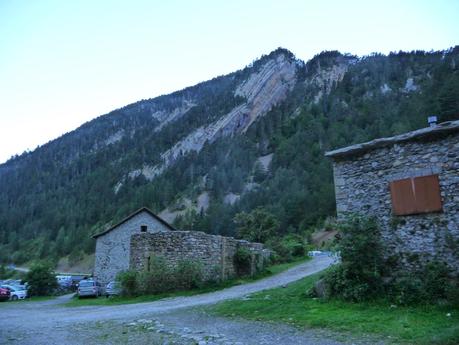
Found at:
<point>363,174</point>
<point>215,253</point>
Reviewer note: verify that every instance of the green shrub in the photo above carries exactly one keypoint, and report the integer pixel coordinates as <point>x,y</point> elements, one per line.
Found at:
<point>129,282</point>
<point>287,248</point>
<point>161,278</point>
<point>188,275</point>
<point>41,279</point>
<point>407,290</point>
<point>359,276</point>
<point>431,284</point>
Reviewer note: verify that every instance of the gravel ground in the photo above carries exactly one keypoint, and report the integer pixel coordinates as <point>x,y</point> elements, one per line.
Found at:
<point>168,321</point>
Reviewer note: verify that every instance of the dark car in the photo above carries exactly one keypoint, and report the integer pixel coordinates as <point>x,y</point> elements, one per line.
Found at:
<point>4,294</point>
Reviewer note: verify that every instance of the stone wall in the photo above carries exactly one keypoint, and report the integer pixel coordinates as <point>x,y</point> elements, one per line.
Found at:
<point>362,186</point>
<point>215,253</point>
<point>113,248</point>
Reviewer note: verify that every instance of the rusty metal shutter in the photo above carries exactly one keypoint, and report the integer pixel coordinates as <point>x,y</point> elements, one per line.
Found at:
<point>402,194</point>
<point>415,195</point>
<point>427,194</point>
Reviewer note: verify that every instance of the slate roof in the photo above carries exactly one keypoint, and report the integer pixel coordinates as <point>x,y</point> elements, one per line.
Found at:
<point>439,130</point>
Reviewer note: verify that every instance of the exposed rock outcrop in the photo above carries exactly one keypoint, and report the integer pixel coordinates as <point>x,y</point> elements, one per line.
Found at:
<point>262,90</point>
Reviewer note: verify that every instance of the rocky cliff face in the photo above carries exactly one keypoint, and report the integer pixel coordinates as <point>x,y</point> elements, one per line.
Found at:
<point>262,90</point>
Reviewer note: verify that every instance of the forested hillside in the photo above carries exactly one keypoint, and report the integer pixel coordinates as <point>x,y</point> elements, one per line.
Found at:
<point>199,156</point>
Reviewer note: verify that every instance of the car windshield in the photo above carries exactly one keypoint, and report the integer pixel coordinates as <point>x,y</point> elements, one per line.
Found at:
<point>87,284</point>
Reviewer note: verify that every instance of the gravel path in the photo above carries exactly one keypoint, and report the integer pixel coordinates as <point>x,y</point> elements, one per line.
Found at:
<point>168,321</point>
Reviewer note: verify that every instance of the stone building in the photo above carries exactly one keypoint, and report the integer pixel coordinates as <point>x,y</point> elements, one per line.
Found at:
<point>113,245</point>
<point>410,183</point>
<point>133,242</point>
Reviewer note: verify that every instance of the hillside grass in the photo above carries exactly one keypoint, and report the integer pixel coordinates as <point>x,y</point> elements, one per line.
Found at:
<point>101,301</point>
<point>421,325</point>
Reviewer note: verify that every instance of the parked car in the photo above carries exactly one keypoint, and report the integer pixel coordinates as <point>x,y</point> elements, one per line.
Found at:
<point>113,288</point>
<point>16,292</point>
<point>4,294</point>
<point>87,288</point>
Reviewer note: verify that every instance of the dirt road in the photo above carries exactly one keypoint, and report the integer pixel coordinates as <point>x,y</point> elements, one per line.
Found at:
<point>169,321</point>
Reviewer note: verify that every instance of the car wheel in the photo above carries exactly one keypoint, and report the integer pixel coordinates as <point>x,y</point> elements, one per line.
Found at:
<point>14,298</point>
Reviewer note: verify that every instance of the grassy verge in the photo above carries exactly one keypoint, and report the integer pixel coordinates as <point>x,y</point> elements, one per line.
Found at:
<point>274,269</point>
<point>396,325</point>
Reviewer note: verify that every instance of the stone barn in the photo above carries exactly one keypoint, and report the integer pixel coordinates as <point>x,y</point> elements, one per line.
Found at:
<point>113,245</point>
<point>410,184</point>
<point>133,242</point>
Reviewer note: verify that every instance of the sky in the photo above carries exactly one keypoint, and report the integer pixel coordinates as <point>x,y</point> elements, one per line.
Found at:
<point>63,63</point>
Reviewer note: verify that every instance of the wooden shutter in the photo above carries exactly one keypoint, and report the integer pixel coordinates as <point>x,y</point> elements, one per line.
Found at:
<point>403,201</point>
<point>427,194</point>
<point>416,195</point>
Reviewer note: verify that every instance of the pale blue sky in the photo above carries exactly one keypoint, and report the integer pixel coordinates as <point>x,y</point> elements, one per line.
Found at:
<point>65,62</point>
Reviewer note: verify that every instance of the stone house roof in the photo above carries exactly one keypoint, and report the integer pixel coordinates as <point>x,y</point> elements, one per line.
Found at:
<point>429,133</point>
<point>143,209</point>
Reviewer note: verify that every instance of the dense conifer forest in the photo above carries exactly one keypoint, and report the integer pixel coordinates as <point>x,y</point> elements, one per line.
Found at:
<point>53,199</point>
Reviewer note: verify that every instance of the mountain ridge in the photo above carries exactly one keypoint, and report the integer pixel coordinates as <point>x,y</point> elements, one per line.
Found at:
<point>202,146</point>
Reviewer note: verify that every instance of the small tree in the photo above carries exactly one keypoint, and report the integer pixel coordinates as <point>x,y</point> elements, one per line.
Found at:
<point>358,277</point>
<point>41,279</point>
<point>258,225</point>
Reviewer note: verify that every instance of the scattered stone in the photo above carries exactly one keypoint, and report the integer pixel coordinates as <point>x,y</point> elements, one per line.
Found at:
<point>320,288</point>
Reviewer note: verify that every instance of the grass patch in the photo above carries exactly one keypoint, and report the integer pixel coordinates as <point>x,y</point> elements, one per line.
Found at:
<point>400,325</point>
<point>274,269</point>
<point>40,298</point>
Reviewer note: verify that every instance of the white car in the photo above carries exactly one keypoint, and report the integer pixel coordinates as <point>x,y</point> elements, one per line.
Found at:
<point>16,292</point>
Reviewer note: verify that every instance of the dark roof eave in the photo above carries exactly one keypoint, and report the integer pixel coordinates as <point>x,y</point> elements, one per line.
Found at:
<point>357,149</point>
<point>143,209</point>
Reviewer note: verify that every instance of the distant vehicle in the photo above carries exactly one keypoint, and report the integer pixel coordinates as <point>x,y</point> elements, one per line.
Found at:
<point>16,292</point>
<point>64,281</point>
<point>113,289</point>
<point>315,253</point>
<point>13,282</point>
<point>87,288</point>
<point>4,294</point>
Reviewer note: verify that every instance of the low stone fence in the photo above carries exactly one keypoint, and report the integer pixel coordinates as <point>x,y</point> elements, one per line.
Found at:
<point>215,253</point>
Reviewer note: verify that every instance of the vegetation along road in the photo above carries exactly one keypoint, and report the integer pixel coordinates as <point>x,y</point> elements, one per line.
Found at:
<point>168,321</point>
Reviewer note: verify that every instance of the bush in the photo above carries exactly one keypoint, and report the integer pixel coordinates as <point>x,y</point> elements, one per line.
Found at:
<point>129,282</point>
<point>188,275</point>
<point>41,279</point>
<point>429,285</point>
<point>358,277</point>
<point>161,278</point>
<point>287,248</point>
<point>407,290</point>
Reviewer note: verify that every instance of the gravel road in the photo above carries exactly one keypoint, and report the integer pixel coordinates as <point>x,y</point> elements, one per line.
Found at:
<point>177,320</point>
